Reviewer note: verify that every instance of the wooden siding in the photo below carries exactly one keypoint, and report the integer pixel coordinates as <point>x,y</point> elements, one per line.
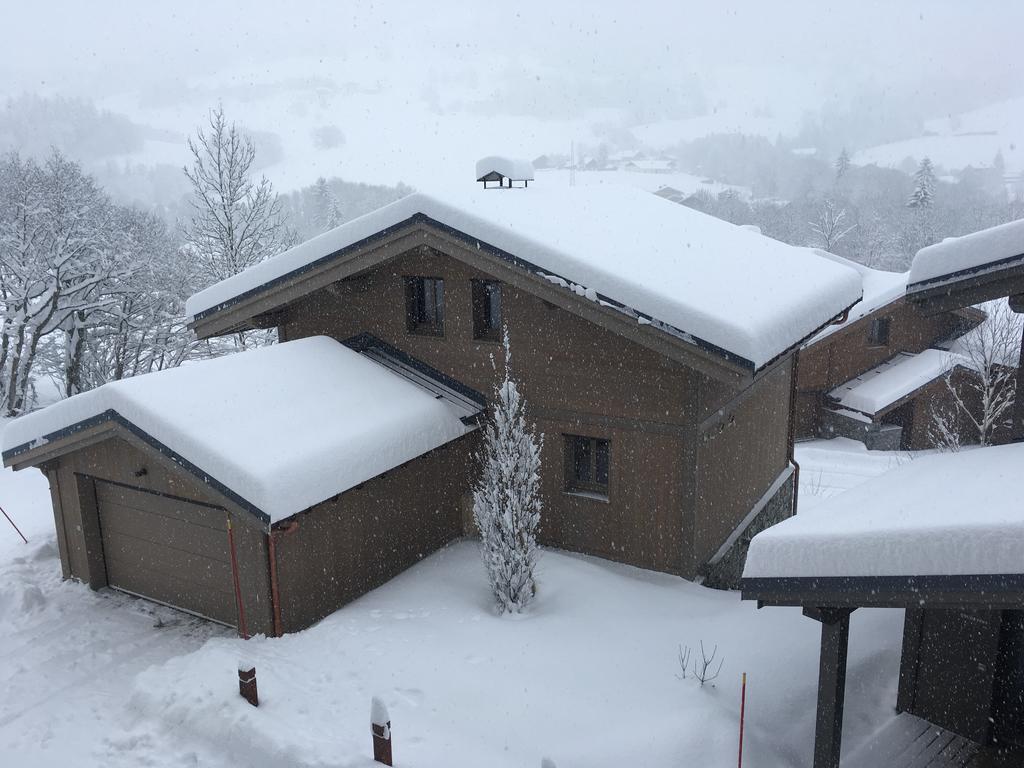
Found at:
<point>348,545</point>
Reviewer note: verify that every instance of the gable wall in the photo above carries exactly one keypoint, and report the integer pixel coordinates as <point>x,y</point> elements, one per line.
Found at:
<point>578,379</point>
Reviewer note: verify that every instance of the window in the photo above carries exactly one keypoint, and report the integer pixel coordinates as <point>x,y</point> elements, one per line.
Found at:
<point>586,464</point>
<point>879,333</point>
<point>486,310</point>
<point>424,305</point>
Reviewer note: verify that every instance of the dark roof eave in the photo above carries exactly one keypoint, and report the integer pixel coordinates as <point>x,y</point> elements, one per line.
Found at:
<point>748,366</point>
<point>943,590</point>
<point>915,290</point>
<point>112,416</point>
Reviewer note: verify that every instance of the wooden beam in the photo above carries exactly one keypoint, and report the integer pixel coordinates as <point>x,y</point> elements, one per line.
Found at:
<point>828,729</point>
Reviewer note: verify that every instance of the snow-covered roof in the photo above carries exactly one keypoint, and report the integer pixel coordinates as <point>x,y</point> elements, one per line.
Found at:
<point>952,513</point>
<point>510,168</point>
<point>283,427</point>
<point>888,383</point>
<point>880,288</point>
<point>979,251</point>
<point>695,275</point>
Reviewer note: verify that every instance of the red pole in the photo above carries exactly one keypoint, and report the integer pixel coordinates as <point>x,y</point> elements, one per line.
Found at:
<point>743,707</point>
<point>13,525</point>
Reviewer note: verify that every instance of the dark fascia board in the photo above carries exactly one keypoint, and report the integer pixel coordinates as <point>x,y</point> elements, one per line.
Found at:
<point>67,434</point>
<point>967,287</point>
<point>363,341</point>
<point>939,591</point>
<point>422,219</point>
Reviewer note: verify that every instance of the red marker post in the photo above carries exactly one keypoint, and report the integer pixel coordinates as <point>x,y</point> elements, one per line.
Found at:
<point>743,707</point>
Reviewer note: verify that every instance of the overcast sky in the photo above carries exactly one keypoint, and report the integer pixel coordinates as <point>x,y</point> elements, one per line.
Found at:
<point>535,56</point>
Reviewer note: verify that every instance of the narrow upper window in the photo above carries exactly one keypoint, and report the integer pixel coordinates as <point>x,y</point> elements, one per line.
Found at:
<point>424,305</point>
<point>586,465</point>
<point>879,333</point>
<point>486,310</point>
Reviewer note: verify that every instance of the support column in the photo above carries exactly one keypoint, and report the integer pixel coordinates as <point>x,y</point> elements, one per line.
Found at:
<point>828,730</point>
<point>1017,435</point>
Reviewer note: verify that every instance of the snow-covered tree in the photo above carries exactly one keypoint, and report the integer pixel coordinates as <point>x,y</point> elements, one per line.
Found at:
<point>236,221</point>
<point>326,208</point>
<point>842,164</point>
<point>923,195</point>
<point>830,227</point>
<point>983,397</point>
<point>506,498</point>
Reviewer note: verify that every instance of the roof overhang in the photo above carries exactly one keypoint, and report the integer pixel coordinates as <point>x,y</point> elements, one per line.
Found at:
<point>981,591</point>
<point>968,287</point>
<point>266,305</point>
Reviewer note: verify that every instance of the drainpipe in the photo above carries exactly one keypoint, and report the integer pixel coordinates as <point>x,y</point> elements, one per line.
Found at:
<point>275,595</point>
<point>791,432</point>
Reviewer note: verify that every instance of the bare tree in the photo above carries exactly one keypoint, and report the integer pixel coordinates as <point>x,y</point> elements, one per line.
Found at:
<point>983,397</point>
<point>830,226</point>
<point>236,221</point>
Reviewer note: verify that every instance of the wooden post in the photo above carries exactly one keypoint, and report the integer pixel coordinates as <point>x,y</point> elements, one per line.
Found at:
<point>247,683</point>
<point>743,712</point>
<point>380,725</point>
<point>835,635</point>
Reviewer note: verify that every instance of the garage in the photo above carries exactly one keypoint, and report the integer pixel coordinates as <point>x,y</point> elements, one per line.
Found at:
<point>166,548</point>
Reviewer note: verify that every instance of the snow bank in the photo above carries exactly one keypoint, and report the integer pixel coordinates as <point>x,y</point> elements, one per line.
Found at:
<point>284,426</point>
<point>885,384</point>
<point>880,288</point>
<point>956,514</point>
<point>745,293</point>
<point>988,248</point>
<point>510,168</point>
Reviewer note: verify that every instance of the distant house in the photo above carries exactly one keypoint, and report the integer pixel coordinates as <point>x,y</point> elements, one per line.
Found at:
<point>940,538</point>
<point>663,165</point>
<point>877,376</point>
<point>654,344</point>
<point>504,171</point>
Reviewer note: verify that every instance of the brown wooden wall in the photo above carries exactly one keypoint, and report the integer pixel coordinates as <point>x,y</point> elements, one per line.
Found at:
<point>847,353</point>
<point>740,453</point>
<point>348,545</point>
<point>578,379</point>
<point>117,460</point>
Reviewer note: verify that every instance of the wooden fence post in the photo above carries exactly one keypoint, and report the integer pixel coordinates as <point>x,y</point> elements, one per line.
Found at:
<point>380,725</point>
<point>247,683</point>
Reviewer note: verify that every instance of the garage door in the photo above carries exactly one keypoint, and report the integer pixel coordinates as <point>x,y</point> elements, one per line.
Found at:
<point>168,549</point>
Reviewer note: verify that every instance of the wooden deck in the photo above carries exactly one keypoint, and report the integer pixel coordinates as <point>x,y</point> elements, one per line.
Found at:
<point>910,742</point>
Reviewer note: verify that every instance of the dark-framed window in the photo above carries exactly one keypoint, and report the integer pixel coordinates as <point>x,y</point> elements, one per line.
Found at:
<point>486,310</point>
<point>587,461</point>
<point>424,305</point>
<point>878,334</point>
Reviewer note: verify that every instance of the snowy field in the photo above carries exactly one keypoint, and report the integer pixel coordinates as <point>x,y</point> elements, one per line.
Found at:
<point>587,678</point>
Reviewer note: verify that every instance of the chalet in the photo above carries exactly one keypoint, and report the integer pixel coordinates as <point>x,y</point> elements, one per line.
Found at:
<point>654,344</point>
<point>877,376</point>
<point>940,539</point>
<point>504,172</point>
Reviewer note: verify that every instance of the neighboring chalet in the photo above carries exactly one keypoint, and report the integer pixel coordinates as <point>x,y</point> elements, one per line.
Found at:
<point>877,376</point>
<point>940,538</point>
<point>654,345</point>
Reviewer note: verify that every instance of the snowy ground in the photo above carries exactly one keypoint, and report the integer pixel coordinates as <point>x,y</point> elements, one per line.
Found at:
<point>829,467</point>
<point>588,678</point>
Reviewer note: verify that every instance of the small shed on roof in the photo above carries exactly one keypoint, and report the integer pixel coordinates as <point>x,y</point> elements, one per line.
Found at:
<point>504,171</point>
<point>178,485</point>
<point>940,537</point>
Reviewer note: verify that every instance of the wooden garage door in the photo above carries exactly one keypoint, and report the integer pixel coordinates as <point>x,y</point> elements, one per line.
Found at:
<point>168,549</point>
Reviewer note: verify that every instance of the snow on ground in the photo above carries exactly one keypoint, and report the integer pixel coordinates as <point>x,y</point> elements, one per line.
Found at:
<point>587,678</point>
<point>686,183</point>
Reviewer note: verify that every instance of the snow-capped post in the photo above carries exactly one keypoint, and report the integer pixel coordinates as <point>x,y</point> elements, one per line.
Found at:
<point>380,725</point>
<point>247,683</point>
<point>506,498</point>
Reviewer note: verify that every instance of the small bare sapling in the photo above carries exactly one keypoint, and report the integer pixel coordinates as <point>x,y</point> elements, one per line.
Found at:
<point>703,669</point>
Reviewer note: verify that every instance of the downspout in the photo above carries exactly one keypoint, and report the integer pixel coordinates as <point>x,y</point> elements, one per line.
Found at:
<point>275,595</point>
<point>791,432</point>
<point>242,628</point>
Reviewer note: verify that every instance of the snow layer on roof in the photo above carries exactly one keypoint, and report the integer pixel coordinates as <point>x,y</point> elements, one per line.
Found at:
<point>975,251</point>
<point>284,426</point>
<point>953,513</point>
<point>510,168</point>
<point>880,288</point>
<point>885,384</point>
<point>745,293</point>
